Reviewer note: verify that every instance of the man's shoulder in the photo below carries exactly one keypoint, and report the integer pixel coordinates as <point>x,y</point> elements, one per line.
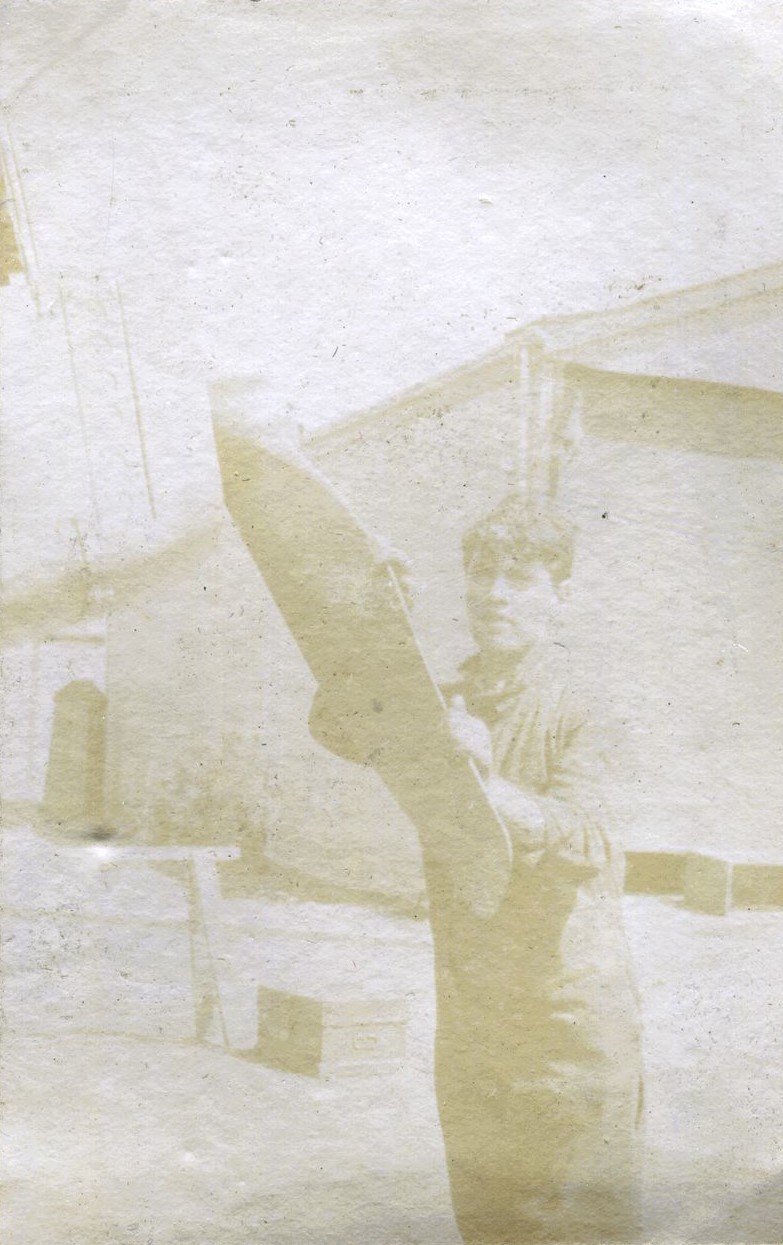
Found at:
<point>551,673</point>
<point>544,679</point>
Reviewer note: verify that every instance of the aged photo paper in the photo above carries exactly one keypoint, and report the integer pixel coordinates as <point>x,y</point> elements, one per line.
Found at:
<point>391,498</point>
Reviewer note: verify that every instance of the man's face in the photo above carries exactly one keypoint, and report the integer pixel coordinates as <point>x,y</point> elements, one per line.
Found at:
<point>511,605</point>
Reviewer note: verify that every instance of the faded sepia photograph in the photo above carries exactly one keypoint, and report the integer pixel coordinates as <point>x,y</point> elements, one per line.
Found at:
<point>391,711</point>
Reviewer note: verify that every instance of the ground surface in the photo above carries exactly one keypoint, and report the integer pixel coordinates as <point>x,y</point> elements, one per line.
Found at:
<point>120,1128</point>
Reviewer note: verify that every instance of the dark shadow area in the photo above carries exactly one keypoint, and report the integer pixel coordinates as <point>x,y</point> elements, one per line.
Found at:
<point>75,772</point>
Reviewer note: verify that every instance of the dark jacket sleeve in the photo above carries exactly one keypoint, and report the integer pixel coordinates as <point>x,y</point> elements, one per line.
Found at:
<point>578,817</point>
<point>577,821</point>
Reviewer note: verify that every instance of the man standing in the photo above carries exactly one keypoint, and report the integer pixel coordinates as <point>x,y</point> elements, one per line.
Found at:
<point>538,1066</point>
<point>537,1061</point>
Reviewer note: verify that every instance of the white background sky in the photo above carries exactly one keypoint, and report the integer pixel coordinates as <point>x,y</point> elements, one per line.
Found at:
<point>351,197</point>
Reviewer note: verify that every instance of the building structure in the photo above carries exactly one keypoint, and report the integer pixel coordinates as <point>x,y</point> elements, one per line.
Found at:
<point>656,428</point>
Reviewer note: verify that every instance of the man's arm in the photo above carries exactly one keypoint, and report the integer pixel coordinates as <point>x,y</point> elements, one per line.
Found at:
<point>570,833</point>
<point>563,827</point>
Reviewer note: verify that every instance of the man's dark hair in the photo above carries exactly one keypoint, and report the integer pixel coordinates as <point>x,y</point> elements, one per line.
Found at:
<point>518,531</point>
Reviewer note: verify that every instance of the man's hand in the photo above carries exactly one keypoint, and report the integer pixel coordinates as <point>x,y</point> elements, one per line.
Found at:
<point>471,735</point>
